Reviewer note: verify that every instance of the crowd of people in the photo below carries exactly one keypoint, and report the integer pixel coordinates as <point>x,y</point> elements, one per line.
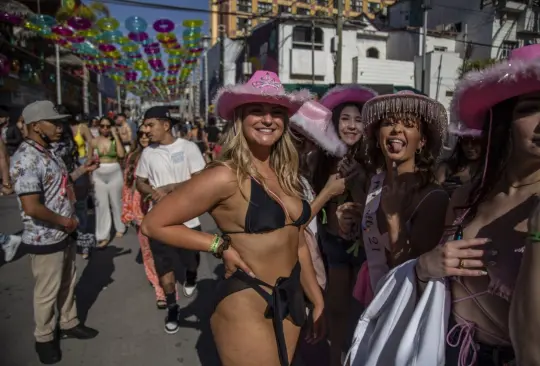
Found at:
<point>324,208</point>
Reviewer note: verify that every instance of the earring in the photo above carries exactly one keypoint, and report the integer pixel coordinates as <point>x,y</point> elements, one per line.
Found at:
<point>419,151</point>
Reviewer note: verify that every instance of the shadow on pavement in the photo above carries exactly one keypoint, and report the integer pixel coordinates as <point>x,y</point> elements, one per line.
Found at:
<point>96,276</point>
<point>197,316</point>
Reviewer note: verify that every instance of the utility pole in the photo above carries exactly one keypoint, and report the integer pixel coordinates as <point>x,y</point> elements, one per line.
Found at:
<point>339,56</point>
<point>221,29</point>
<point>312,51</point>
<point>197,98</point>
<point>425,8</point>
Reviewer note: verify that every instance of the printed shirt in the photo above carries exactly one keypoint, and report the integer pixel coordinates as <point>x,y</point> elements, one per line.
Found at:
<point>35,170</point>
<point>169,164</point>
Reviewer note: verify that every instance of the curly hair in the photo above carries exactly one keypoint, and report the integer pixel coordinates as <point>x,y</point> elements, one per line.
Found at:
<point>283,157</point>
<point>369,154</point>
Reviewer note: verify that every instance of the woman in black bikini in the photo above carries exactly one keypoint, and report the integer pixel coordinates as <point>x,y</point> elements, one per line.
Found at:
<point>254,195</point>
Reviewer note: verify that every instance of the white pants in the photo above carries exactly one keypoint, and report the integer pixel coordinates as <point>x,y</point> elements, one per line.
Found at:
<point>108,182</point>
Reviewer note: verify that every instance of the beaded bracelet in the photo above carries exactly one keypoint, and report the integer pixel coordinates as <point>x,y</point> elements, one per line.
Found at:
<point>224,244</point>
<point>215,244</point>
<point>535,237</point>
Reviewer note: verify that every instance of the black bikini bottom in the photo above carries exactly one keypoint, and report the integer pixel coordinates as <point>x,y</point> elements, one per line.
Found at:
<point>285,299</point>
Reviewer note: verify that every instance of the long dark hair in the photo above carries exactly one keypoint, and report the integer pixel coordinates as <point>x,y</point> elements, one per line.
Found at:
<point>458,161</point>
<point>132,159</point>
<point>497,148</point>
<point>14,137</point>
<point>325,163</point>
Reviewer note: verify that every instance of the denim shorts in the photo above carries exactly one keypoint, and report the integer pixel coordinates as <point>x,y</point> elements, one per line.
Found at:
<point>335,248</point>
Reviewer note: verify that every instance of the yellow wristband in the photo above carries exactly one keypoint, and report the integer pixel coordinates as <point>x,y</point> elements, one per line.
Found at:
<point>215,244</point>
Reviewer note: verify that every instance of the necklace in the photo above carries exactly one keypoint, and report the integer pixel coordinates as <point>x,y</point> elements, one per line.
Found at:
<point>521,185</point>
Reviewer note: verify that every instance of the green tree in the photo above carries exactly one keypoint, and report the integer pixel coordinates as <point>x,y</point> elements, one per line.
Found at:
<point>475,65</point>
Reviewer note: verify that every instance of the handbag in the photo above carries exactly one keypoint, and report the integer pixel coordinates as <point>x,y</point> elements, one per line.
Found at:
<point>399,328</point>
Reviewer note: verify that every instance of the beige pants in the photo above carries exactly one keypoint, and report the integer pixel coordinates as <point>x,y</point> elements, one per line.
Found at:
<point>54,287</point>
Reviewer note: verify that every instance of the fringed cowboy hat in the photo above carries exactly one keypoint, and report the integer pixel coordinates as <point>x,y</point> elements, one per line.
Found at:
<point>352,93</point>
<point>263,87</point>
<point>409,103</point>
<point>478,91</point>
<point>314,121</point>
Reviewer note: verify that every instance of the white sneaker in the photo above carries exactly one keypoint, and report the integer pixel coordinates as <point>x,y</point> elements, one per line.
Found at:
<point>189,289</point>
<point>10,248</point>
<point>171,321</point>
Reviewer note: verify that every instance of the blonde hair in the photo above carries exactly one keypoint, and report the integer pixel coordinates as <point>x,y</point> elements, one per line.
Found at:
<point>284,159</point>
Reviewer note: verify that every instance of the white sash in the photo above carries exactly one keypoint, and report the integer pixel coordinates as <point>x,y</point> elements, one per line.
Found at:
<point>374,242</point>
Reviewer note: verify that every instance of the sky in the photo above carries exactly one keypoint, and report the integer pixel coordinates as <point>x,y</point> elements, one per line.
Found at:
<point>122,12</point>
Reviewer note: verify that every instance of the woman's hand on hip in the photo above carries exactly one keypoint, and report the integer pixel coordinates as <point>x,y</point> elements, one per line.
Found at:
<point>233,262</point>
<point>455,258</point>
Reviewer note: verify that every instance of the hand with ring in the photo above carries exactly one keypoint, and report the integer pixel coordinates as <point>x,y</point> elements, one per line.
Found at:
<point>455,258</point>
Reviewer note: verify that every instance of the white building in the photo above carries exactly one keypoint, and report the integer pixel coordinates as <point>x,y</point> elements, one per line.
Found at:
<point>385,61</point>
<point>490,28</point>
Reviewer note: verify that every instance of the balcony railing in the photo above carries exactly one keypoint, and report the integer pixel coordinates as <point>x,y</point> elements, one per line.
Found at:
<point>528,25</point>
<point>511,6</point>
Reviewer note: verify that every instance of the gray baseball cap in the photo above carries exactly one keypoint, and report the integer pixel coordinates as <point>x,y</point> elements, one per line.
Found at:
<point>41,110</point>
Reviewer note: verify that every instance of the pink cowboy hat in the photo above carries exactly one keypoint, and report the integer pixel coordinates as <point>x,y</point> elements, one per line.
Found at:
<point>479,91</point>
<point>407,102</point>
<point>459,129</point>
<point>314,121</point>
<point>352,93</point>
<point>263,87</point>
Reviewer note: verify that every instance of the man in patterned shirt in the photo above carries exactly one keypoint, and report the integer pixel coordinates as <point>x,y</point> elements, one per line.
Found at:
<point>43,186</point>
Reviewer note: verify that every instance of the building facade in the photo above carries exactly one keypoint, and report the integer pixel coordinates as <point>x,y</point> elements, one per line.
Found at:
<point>237,16</point>
<point>485,29</point>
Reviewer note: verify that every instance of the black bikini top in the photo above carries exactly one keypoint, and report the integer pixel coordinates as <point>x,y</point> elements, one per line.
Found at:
<point>266,213</point>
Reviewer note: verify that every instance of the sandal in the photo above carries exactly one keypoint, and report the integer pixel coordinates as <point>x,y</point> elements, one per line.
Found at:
<point>102,244</point>
<point>161,304</point>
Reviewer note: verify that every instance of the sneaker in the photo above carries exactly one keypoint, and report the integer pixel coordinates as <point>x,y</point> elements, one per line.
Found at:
<point>190,285</point>
<point>10,247</point>
<point>49,352</point>
<point>79,332</point>
<point>171,321</point>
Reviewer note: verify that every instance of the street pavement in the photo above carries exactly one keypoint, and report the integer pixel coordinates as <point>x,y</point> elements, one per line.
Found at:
<point>114,297</point>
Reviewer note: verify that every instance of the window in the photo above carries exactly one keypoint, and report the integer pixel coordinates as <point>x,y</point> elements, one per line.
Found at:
<point>302,38</point>
<point>355,70</point>
<point>506,48</point>
<point>372,53</point>
<point>284,9</point>
<point>374,7</point>
<point>440,49</point>
<point>243,23</point>
<point>264,7</point>
<point>302,11</point>
<point>449,93</point>
<point>244,5</point>
<point>357,5</point>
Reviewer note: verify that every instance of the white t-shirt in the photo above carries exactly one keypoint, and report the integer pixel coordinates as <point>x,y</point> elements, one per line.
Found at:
<point>170,164</point>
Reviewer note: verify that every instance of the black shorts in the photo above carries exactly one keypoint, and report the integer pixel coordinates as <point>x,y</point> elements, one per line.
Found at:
<point>164,257</point>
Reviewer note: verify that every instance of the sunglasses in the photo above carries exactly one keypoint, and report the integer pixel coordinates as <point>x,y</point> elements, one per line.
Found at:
<point>105,126</point>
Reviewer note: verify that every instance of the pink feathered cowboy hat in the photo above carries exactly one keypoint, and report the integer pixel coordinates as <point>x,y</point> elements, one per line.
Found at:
<point>263,87</point>
<point>352,93</point>
<point>479,91</point>
<point>314,121</point>
<point>459,129</point>
<point>431,111</point>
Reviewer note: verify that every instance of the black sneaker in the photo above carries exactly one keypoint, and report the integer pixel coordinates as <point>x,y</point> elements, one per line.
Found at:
<point>78,332</point>
<point>190,285</point>
<point>171,321</point>
<point>49,352</point>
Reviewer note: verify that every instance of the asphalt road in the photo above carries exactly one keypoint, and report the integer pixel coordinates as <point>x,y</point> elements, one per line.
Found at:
<point>114,297</point>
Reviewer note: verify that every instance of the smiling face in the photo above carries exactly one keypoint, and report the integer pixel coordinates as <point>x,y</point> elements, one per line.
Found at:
<point>526,127</point>
<point>350,125</point>
<point>400,138</point>
<point>263,124</point>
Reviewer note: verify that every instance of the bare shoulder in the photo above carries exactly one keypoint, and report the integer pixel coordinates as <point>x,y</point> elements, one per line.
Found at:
<point>216,178</point>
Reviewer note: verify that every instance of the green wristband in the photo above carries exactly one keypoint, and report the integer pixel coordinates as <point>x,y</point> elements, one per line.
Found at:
<point>535,237</point>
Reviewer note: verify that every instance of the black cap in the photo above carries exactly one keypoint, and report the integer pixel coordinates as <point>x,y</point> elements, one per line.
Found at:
<point>157,112</point>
